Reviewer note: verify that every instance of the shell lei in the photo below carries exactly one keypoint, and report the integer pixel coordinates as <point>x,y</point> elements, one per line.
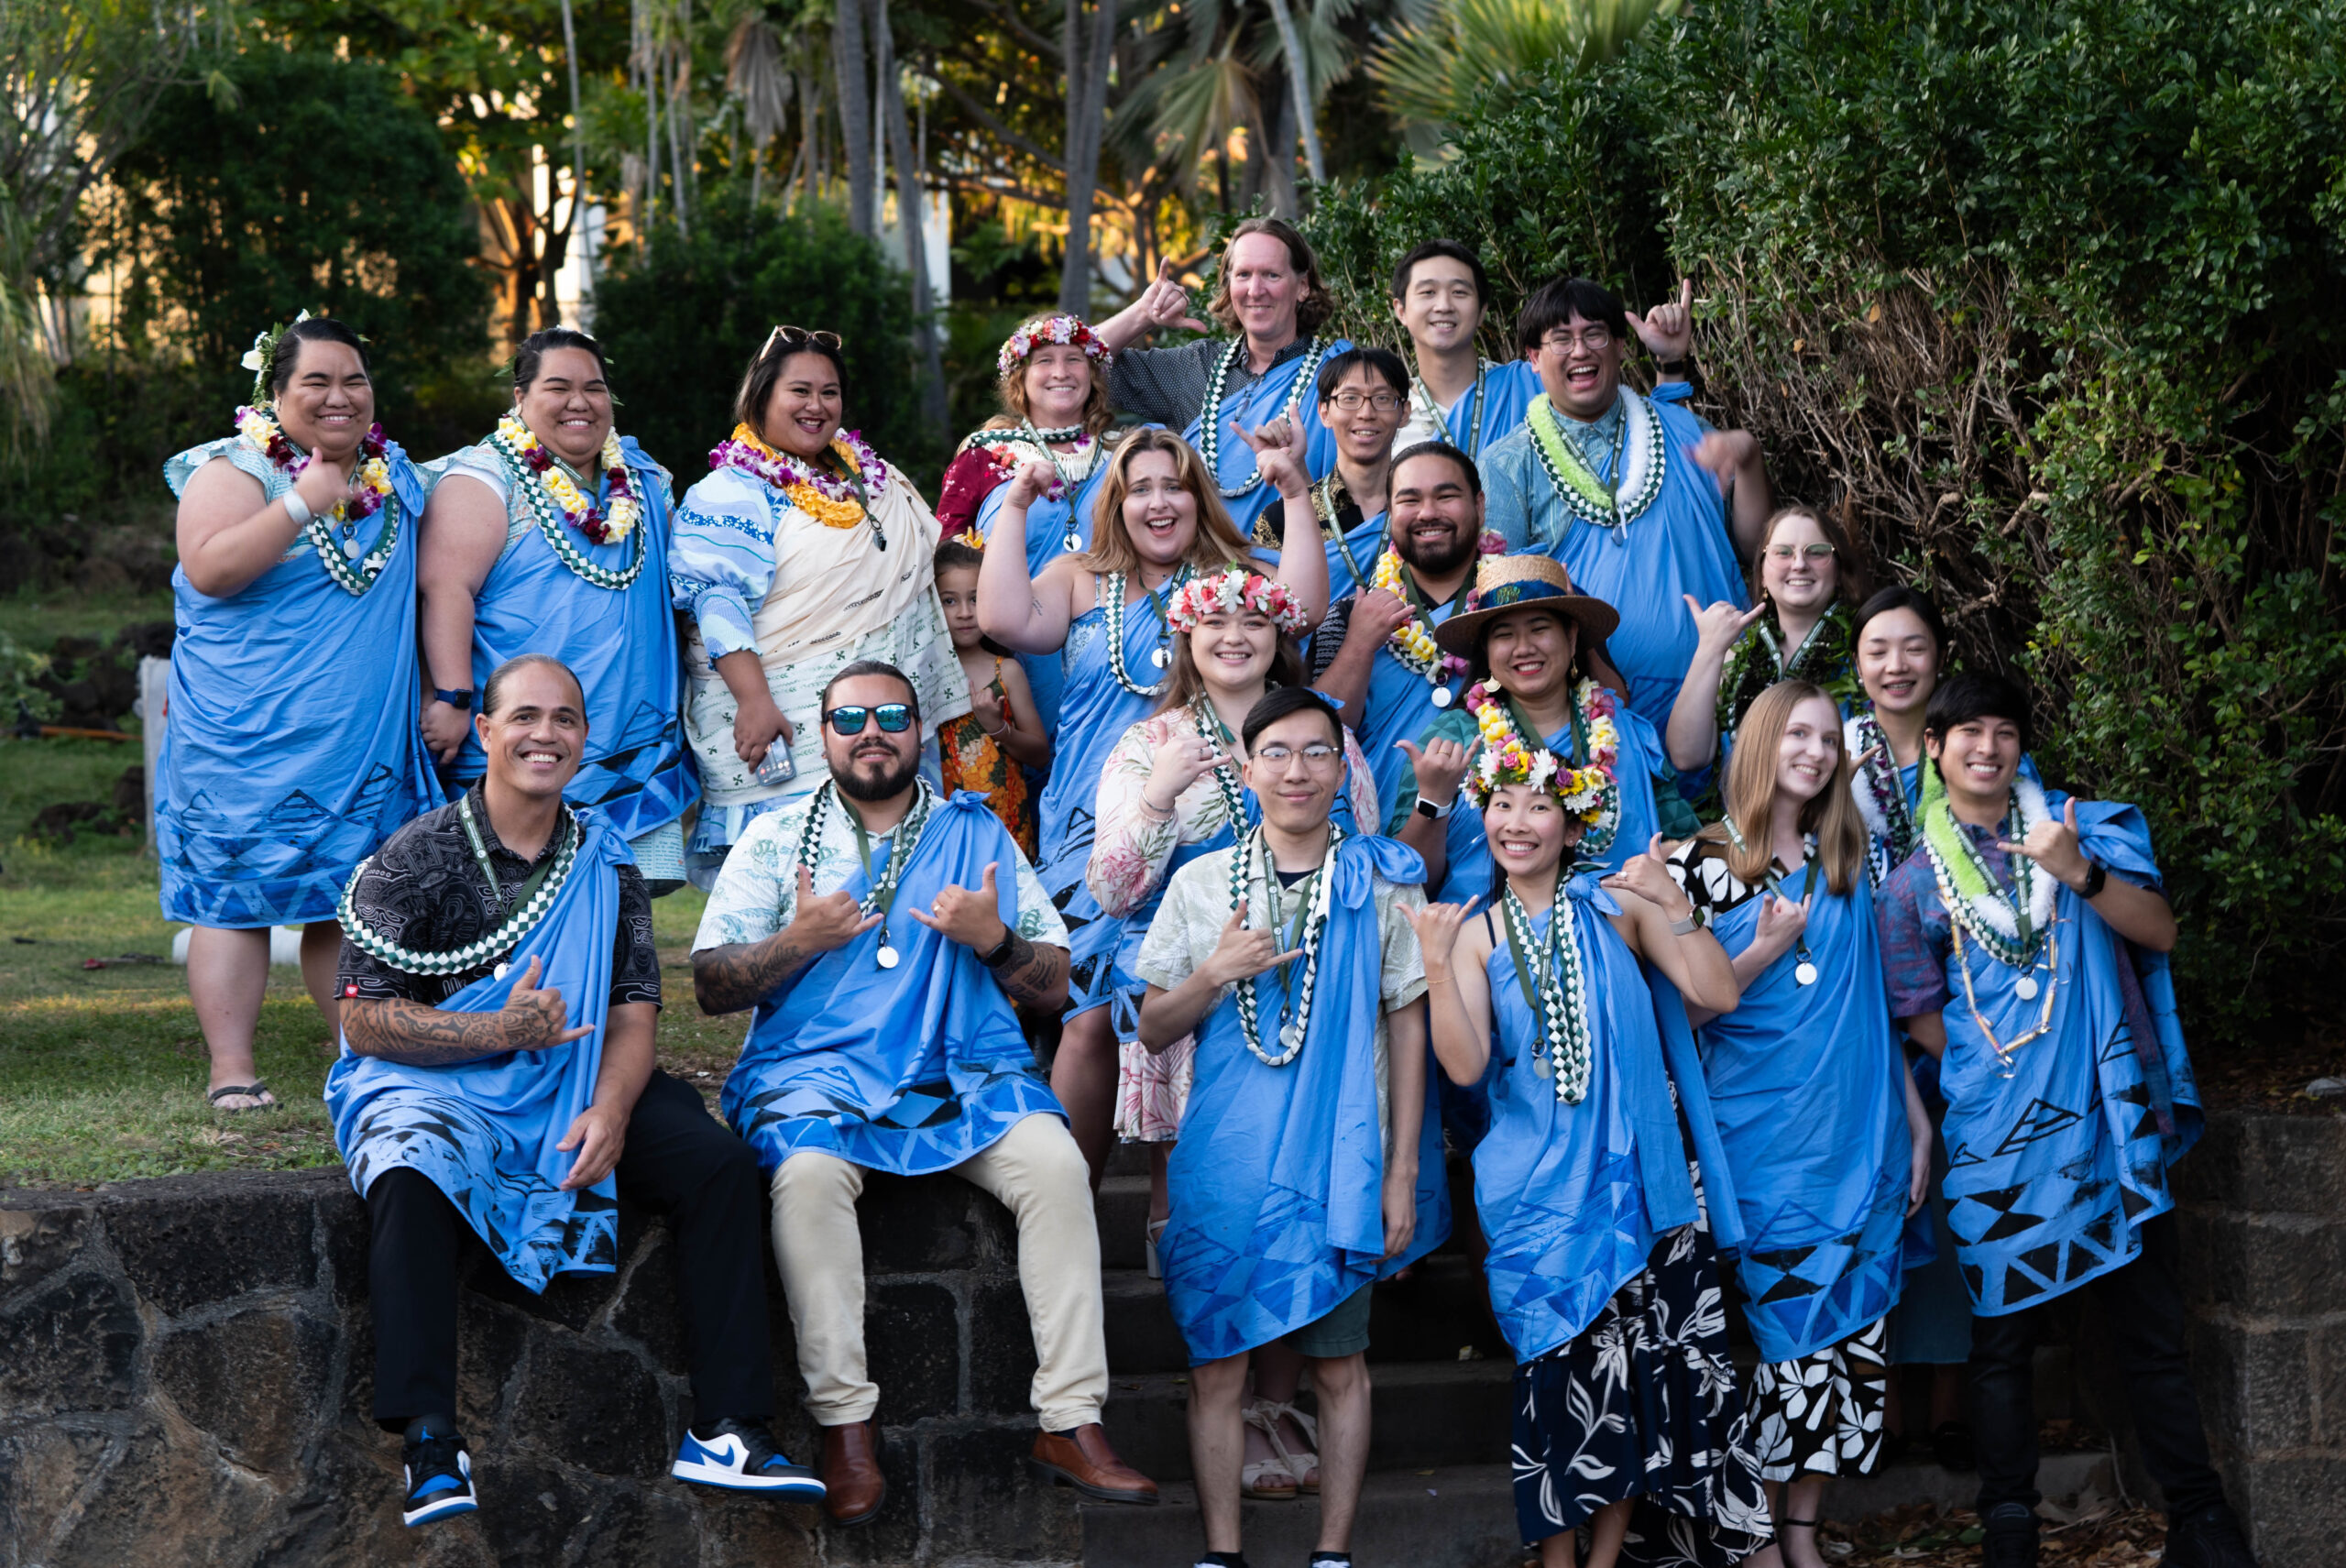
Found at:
<point>550,489</point>
<point>1584,495</point>
<point>1113,602</point>
<point>834,502</point>
<point>1562,991</point>
<point>1974,899</point>
<point>259,428</point>
<point>476,953</point>
<point>1412,641</point>
<point>1209,414</point>
<point>1292,1032</point>
<point>1508,756</point>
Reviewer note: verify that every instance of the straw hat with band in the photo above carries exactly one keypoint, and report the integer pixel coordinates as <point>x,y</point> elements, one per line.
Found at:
<point>1504,583</point>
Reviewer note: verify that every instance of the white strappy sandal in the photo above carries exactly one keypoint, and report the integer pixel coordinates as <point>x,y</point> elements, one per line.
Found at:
<point>1264,1415</point>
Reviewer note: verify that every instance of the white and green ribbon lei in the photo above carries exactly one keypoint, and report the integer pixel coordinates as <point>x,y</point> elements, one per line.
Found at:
<point>1585,496</point>
<point>905,836</point>
<point>1112,600</point>
<point>2012,927</point>
<point>1211,731</point>
<point>1555,988</point>
<point>356,579</point>
<point>551,524</point>
<point>474,954</point>
<point>1319,893</point>
<point>1210,415</point>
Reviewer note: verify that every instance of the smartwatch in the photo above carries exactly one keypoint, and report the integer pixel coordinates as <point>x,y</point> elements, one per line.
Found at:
<point>458,699</point>
<point>1430,812</point>
<point>2097,878</point>
<point>1678,367</point>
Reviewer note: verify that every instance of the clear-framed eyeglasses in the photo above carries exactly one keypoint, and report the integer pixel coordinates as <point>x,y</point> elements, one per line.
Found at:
<point>1815,552</point>
<point>1317,756</point>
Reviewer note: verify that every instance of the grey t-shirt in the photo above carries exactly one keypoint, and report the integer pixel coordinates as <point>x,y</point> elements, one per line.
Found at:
<point>1167,386</point>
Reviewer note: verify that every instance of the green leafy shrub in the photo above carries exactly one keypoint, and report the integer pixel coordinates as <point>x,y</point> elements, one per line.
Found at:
<point>681,322</point>
<point>2044,297</point>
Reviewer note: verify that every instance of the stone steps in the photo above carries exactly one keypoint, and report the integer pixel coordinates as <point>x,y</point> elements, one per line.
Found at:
<point>1433,1316</point>
<point>1464,1516</point>
<point>1425,1413</point>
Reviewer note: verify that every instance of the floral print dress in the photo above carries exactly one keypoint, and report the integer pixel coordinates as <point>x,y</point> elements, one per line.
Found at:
<point>971,759</point>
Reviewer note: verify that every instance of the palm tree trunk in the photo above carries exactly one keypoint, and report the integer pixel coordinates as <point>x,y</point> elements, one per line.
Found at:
<point>1087,113</point>
<point>1299,78</point>
<point>908,213</point>
<point>855,111</point>
<point>578,174</point>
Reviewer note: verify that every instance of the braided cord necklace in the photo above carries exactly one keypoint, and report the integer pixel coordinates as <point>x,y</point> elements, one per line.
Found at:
<point>881,894</point>
<point>1210,415</point>
<point>532,903</point>
<point>1113,602</point>
<point>1313,901</point>
<point>1553,987</point>
<point>356,577</point>
<point>1804,962</point>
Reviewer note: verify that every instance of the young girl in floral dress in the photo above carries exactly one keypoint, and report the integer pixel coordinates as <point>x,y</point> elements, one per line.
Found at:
<point>990,748</point>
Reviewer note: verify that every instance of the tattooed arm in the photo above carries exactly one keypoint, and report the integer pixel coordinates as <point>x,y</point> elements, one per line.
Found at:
<point>736,975</point>
<point>424,1036</point>
<point>1030,974</point>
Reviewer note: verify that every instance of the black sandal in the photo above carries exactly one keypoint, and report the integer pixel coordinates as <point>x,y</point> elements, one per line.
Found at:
<point>255,1089</point>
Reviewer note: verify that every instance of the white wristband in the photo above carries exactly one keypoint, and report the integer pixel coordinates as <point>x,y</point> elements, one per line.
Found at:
<point>298,509</point>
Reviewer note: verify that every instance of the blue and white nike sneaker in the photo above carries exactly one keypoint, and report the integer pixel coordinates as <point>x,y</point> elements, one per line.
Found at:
<point>743,1456</point>
<point>439,1474</point>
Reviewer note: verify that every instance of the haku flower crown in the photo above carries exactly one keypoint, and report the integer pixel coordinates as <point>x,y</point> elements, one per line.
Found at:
<point>261,358</point>
<point>1508,756</point>
<point>1061,328</point>
<point>1231,591</point>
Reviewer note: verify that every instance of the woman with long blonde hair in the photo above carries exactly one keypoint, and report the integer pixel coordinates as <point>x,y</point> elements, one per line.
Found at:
<point>1157,524</point>
<point>1822,1128</point>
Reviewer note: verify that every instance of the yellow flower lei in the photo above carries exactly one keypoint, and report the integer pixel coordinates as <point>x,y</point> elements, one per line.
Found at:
<point>624,513</point>
<point>1411,636</point>
<point>255,426</point>
<point>842,511</point>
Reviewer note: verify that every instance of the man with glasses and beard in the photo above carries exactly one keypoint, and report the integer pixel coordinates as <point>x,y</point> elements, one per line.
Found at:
<point>883,935</point>
<point>1374,654</point>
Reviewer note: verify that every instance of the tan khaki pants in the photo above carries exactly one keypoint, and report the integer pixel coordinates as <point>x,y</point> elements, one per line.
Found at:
<point>1039,1175</point>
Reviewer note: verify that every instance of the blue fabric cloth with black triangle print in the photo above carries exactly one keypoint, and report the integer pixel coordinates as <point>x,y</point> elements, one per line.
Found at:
<point>2059,1153</point>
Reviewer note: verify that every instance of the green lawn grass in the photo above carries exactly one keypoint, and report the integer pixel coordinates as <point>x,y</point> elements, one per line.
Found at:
<point>37,618</point>
<point>102,1072</point>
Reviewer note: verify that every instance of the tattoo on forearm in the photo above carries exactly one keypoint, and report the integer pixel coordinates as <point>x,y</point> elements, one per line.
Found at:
<point>1028,973</point>
<point>741,974</point>
<point>420,1034</point>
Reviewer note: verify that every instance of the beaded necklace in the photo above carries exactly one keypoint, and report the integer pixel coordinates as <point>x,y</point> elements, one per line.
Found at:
<point>533,900</point>
<point>1553,987</point>
<point>1311,915</point>
<point>1209,414</point>
<point>1112,600</point>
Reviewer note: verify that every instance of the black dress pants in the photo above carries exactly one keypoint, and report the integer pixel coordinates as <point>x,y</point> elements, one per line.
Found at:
<point>2142,1310</point>
<point>678,1160</point>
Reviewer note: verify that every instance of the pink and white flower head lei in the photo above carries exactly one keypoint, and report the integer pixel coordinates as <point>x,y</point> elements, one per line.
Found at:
<point>1232,591</point>
<point>1062,328</point>
<point>1510,753</point>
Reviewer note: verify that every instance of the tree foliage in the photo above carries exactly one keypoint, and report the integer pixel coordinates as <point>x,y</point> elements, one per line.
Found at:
<point>2045,299</point>
<point>323,189</point>
<point>681,322</point>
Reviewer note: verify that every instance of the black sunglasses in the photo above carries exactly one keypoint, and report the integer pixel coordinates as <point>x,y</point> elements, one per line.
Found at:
<point>895,717</point>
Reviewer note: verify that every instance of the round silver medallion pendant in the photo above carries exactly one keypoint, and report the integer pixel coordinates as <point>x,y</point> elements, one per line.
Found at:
<point>1290,1038</point>
<point>1441,697</point>
<point>351,548</point>
<point>1074,543</point>
<point>1806,972</point>
<point>500,971</point>
<point>889,957</point>
<point>2025,988</point>
<point>1162,658</point>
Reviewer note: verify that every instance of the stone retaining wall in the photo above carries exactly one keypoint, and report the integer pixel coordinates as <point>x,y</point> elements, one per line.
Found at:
<point>186,1373</point>
<point>185,1370</point>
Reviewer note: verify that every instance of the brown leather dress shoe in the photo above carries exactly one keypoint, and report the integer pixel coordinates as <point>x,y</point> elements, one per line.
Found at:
<point>1085,1462</point>
<point>853,1487</point>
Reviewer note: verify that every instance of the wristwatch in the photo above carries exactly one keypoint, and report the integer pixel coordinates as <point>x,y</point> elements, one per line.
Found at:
<point>459,699</point>
<point>1430,812</point>
<point>2097,878</point>
<point>1678,367</point>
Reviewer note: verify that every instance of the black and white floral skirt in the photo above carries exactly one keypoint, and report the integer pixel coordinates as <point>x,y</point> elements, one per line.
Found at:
<point>1642,1404</point>
<point>1821,1415</point>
